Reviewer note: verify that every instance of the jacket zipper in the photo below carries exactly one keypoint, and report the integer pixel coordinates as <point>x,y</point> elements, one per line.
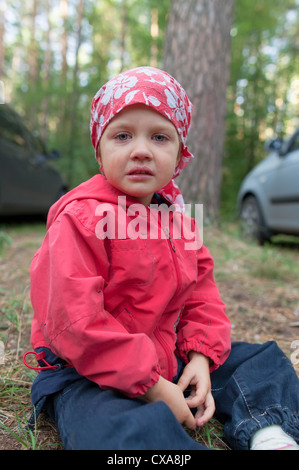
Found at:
<point>159,337</point>
<point>163,343</point>
<point>175,260</point>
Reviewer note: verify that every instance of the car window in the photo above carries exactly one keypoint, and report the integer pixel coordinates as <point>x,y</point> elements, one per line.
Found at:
<point>37,144</point>
<point>13,137</point>
<point>10,130</point>
<point>14,132</point>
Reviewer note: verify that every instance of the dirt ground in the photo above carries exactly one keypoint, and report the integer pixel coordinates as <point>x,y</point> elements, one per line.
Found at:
<point>261,306</point>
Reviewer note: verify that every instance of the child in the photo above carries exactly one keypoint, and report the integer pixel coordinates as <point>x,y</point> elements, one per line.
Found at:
<point>129,329</point>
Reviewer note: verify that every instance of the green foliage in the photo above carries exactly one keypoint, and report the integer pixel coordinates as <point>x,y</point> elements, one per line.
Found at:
<point>114,34</point>
<point>55,95</point>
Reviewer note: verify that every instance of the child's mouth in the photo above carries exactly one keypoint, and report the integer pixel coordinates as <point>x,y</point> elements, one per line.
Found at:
<point>143,171</point>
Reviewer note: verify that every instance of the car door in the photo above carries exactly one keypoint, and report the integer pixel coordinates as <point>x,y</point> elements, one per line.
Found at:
<point>27,183</point>
<point>284,194</point>
<point>45,182</point>
<point>13,163</point>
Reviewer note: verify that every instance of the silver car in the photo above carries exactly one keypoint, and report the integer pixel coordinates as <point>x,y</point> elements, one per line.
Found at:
<point>268,200</point>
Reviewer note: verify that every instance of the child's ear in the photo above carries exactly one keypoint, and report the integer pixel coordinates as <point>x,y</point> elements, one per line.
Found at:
<point>178,159</point>
<point>98,156</point>
<point>99,160</point>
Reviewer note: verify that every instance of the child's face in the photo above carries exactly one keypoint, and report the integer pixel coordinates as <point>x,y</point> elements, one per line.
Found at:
<point>139,151</point>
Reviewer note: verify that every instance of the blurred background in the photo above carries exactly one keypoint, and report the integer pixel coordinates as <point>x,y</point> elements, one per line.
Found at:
<point>237,59</point>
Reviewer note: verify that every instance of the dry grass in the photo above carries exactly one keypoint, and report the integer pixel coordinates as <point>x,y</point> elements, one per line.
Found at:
<point>259,286</point>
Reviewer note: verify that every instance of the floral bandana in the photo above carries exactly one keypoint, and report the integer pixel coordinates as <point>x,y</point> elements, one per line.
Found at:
<point>154,88</point>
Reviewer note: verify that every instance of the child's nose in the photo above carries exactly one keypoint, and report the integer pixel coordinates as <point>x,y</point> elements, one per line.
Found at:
<point>141,150</point>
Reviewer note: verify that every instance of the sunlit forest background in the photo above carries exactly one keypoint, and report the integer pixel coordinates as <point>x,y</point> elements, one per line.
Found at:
<point>55,55</point>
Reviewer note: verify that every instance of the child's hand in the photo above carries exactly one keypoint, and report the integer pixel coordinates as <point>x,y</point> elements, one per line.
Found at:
<point>173,396</point>
<point>197,375</point>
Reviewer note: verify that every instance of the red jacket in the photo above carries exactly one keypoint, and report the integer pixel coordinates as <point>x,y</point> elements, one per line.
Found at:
<point>117,309</point>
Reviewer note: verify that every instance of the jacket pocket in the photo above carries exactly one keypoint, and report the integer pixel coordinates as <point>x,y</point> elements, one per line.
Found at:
<point>132,262</point>
<point>125,317</point>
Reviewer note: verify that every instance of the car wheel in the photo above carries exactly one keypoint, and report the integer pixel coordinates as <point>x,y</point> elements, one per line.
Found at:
<point>251,221</point>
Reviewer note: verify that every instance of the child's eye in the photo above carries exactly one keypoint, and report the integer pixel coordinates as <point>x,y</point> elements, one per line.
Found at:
<point>122,136</point>
<point>160,138</point>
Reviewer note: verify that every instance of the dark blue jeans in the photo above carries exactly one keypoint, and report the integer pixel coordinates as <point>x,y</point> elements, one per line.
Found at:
<point>256,387</point>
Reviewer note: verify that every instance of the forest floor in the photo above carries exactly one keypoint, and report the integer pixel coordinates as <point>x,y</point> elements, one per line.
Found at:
<point>258,284</point>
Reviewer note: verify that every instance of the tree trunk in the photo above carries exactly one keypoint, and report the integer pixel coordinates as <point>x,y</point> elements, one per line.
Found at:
<point>197,54</point>
<point>63,11</point>
<point>154,36</point>
<point>123,34</point>
<point>63,112</point>
<point>33,72</point>
<point>2,51</point>
<point>46,76</point>
<point>75,95</point>
<point>33,48</point>
<point>2,32</point>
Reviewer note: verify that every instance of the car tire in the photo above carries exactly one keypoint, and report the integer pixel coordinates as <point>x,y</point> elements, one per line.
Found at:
<point>251,221</point>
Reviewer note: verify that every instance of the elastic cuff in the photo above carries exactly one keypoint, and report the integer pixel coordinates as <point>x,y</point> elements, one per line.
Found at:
<point>188,346</point>
<point>141,389</point>
<point>243,432</point>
